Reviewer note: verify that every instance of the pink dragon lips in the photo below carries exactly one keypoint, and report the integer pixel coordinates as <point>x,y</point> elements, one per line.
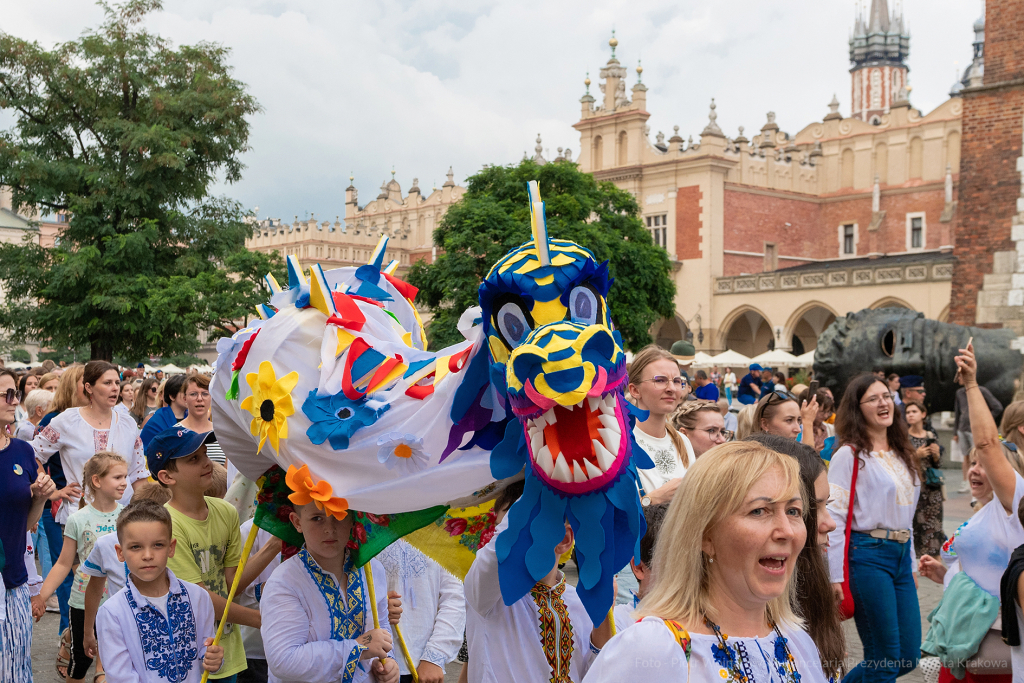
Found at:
<point>579,448</point>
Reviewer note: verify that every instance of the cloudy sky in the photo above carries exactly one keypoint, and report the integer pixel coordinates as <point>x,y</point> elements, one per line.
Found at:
<point>421,85</point>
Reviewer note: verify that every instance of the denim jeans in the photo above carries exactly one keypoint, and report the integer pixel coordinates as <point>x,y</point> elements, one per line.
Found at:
<point>887,612</point>
<point>42,547</point>
<point>55,540</point>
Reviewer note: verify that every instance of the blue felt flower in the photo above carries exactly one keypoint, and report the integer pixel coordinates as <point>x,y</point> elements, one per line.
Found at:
<point>723,656</point>
<point>780,650</point>
<point>336,418</point>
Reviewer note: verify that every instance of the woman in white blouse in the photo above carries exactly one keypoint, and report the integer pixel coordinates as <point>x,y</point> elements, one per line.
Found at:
<point>656,386</point>
<point>881,554</point>
<point>79,433</point>
<point>723,612</point>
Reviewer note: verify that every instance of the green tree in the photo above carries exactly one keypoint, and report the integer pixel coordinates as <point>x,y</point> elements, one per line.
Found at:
<point>21,356</point>
<point>125,135</point>
<point>494,217</point>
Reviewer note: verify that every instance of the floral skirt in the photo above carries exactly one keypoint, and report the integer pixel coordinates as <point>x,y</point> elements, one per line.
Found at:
<point>928,534</point>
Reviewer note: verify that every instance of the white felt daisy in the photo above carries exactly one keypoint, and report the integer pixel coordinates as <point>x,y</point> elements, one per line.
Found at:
<point>402,451</point>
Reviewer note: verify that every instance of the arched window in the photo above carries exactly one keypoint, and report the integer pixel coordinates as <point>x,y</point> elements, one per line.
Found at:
<point>598,153</point>
<point>916,158</point>
<point>882,162</point>
<point>623,149</point>
<point>846,168</point>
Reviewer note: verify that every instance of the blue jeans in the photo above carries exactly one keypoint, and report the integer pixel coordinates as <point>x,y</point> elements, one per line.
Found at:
<point>42,547</point>
<point>887,613</point>
<point>55,540</point>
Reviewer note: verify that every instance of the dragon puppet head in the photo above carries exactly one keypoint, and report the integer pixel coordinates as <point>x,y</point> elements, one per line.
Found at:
<point>560,364</point>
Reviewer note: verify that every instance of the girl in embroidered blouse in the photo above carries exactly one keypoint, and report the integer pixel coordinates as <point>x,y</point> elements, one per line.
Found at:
<point>881,552</point>
<point>720,607</point>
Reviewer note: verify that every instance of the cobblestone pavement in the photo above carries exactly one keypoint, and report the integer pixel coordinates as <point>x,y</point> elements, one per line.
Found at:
<point>957,510</point>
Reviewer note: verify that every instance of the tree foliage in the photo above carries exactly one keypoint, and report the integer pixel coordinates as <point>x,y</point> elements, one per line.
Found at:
<point>493,217</point>
<point>125,134</point>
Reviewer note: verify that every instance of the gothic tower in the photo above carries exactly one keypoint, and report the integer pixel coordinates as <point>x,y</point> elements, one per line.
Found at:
<point>878,51</point>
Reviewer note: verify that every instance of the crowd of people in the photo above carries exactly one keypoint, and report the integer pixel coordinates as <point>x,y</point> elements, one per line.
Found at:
<point>773,513</point>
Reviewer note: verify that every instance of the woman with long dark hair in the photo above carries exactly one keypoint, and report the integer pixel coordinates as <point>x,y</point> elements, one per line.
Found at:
<point>881,553</point>
<point>814,599</point>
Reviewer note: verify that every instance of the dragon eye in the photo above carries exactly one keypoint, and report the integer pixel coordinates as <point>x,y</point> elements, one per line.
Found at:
<point>583,306</point>
<point>513,324</point>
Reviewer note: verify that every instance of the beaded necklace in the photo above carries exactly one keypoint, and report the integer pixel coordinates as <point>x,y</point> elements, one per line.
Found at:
<point>736,661</point>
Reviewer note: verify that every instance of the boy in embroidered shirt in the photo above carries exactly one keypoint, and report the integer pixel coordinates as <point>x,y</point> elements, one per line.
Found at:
<point>206,531</point>
<point>655,515</point>
<point>321,628</point>
<point>544,636</point>
<point>157,628</point>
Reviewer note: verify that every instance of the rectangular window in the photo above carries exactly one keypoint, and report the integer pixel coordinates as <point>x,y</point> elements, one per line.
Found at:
<point>657,225</point>
<point>916,233</point>
<point>849,246</point>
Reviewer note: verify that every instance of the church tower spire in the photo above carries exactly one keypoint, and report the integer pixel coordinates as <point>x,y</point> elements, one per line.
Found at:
<point>878,53</point>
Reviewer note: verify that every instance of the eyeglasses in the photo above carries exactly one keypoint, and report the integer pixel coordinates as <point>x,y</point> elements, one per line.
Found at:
<point>12,396</point>
<point>880,397</point>
<point>153,389</point>
<point>714,433</point>
<point>774,398</point>
<point>198,394</point>
<point>661,381</point>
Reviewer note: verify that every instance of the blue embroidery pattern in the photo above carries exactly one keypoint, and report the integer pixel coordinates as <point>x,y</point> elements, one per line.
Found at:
<point>347,612</point>
<point>168,645</point>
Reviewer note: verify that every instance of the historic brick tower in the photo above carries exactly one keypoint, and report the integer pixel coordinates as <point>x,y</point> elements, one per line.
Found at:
<point>878,50</point>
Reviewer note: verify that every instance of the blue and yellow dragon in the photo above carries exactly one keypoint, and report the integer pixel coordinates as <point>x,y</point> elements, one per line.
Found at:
<point>338,383</point>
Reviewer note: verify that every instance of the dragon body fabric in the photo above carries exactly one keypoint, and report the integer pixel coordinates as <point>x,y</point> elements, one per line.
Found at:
<point>337,379</point>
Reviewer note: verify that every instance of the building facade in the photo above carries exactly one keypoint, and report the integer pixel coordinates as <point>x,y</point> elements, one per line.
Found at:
<point>408,220</point>
<point>774,236</point>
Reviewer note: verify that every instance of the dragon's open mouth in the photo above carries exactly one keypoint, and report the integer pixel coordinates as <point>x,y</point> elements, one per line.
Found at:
<point>579,445</point>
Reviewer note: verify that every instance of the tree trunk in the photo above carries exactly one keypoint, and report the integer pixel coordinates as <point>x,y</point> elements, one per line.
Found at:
<point>101,351</point>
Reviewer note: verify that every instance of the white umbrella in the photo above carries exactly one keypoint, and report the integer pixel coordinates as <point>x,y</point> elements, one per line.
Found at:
<point>806,358</point>
<point>202,369</point>
<point>731,359</point>
<point>702,360</point>
<point>15,365</point>
<point>149,368</point>
<point>172,369</point>
<point>777,357</point>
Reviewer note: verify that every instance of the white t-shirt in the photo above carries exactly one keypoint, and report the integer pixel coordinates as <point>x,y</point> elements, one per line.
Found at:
<point>85,527</point>
<point>983,544</point>
<point>103,562</point>
<point>667,463</point>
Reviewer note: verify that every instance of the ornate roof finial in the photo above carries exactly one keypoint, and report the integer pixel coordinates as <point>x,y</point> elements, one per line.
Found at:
<point>614,42</point>
<point>833,106</point>
<point>586,82</point>
<point>712,127</point>
<point>451,178</point>
<point>392,171</point>
<point>639,72</point>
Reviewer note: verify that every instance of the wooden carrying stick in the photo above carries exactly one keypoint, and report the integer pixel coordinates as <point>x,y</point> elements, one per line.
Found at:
<point>246,549</point>
<point>376,624</point>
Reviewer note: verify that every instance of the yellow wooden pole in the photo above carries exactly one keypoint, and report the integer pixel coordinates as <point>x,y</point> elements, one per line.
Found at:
<point>611,618</point>
<point>376,622</point>
<point>246,549</point>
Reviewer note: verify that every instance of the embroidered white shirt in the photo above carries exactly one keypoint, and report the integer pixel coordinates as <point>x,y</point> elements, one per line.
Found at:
<point>297,626</point>
<point>668,464</point>
<point>886,498</point>
<point>505,640</point>
<point>77,441</point>
<point>433,605</point>
<point>649,652</point>
<point>137,643</point>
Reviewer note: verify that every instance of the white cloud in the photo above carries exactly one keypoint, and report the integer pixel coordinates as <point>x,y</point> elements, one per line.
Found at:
<point>424,84</point>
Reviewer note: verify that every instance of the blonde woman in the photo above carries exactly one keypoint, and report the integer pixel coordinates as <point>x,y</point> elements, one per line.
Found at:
<point>702,423</point>
<point>719,607</point>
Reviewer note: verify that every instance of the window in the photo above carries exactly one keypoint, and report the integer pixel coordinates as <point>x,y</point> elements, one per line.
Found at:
<point>771,257</point>
<point>915,231</point>
<point>848,239</point>
<point>658,227</point>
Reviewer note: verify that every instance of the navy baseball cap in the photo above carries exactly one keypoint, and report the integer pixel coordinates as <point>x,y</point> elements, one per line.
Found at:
<point>755,366</point>
<point>911,381</point>
<point>174,443</point>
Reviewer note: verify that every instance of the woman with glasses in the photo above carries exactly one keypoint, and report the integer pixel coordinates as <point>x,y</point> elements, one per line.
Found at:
<point>701,422</point>
<point>881,553</point>
<point>147,401</point>
<point>198,419</point>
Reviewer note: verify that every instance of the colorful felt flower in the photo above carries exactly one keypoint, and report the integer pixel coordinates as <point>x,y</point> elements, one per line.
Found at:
<point>336,418</point>
<point>270,404</point>
<point>402,451</point>
<point>306,491</point>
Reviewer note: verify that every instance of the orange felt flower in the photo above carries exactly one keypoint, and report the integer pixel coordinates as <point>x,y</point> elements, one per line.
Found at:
<point>306,491</point>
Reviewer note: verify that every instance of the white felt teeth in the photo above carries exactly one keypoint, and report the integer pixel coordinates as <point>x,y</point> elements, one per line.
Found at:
<point>605,449</point>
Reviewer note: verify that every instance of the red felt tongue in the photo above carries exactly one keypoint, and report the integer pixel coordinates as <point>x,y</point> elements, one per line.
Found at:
<point>570,435</point>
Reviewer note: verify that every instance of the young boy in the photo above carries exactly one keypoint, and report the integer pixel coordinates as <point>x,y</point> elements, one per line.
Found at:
<point>157,628</point>
<point>206,530</point>
<point>655,515</point>
<point>319,627</point>
<point>107,573</point>
<point>544,636</point>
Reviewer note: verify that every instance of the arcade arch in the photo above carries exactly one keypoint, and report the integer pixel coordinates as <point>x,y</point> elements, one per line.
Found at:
<point>747,331</point>
<point>891,302</point>
<point>668,331</point>
<point>806,325</point>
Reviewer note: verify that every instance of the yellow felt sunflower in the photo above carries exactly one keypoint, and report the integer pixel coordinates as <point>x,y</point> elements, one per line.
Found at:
<point>270,404</point>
